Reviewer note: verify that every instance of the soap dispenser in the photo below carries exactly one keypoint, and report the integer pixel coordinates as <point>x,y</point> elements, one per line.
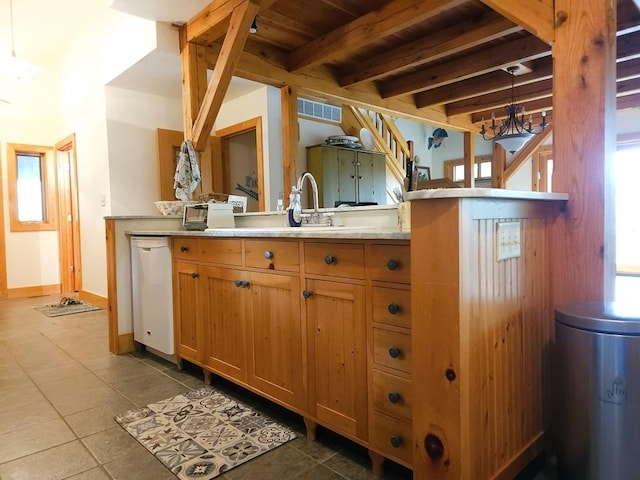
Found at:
<point>295,208</point>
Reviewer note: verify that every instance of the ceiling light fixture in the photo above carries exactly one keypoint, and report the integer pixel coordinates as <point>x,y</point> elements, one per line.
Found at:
<point>11,65</point>
<point>254,26</point>
<point>515,131</point>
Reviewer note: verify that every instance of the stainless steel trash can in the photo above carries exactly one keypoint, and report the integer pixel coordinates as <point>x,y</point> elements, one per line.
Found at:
<point>597,391</point>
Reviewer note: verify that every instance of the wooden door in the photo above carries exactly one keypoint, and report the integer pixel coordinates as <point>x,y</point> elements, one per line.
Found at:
<point>224,311</point>
<point>335,314</point>
<point>69,225</point>
<point>187,324</point>
<point>276,337</point>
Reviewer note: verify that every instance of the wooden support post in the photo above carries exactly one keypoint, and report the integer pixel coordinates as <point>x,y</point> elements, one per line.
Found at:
<point>469,160</point>
<point>498,164</point>
<point>194,81</point>
<point>584,104</point>
<point>290,137</point>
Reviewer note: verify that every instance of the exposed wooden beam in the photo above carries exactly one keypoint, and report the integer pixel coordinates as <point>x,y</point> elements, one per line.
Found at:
<point>232,46</point>
<point>523,93</point>
<point>268,65</point>
<point>450,41</point>
<point>627,70</point>
<point>628,47</point>
<point>212,22</point>
<point>523,155</point>
<point>628,87</point>
<point>483,84</point>
<point>389,19</point>
<point>518,51</point>
<point>194,81</point>
<point>538,17</point>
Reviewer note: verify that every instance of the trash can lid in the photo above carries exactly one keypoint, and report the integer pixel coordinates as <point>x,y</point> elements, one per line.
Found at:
<point>603,317</point>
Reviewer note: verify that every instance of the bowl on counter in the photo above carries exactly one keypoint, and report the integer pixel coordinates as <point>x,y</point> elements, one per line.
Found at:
<point>173,207</point>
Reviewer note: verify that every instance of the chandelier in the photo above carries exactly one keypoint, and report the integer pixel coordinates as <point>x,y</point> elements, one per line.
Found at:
<point>515,131</point>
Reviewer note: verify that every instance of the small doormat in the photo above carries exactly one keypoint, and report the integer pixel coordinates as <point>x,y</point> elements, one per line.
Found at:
<point>203,433</point>
<point>66,307</point>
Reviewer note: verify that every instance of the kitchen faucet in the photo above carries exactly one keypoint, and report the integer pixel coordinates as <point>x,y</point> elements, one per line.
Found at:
<point>315,216</point>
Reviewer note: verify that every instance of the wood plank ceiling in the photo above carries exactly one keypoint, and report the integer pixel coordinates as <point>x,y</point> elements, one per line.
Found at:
<point>441,61</point>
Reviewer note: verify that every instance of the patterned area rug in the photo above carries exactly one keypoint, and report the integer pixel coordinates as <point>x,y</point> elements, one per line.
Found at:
<point>57,309</point>
<point>203,433</point>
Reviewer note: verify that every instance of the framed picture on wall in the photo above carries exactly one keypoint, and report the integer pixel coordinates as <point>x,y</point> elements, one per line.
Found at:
<point>423,173</point>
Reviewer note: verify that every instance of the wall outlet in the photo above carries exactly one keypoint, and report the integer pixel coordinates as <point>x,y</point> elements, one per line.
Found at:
<point>507,240</point>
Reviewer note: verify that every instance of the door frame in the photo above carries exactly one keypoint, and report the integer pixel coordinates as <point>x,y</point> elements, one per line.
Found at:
<point>3,250</point>
<point>69,215</point>
<point>253,124</point>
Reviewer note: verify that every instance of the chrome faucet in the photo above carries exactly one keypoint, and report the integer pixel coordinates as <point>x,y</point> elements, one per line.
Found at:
<point>315,217</point>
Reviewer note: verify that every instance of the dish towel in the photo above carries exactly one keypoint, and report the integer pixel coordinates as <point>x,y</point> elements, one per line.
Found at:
<point>187,174</point>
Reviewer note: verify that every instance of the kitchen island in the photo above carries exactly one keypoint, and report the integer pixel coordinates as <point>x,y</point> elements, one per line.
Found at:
<point>425,346</point>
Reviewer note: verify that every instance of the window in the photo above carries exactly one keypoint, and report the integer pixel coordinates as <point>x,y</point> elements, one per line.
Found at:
<point>454,169</point>
<point>31,188</point>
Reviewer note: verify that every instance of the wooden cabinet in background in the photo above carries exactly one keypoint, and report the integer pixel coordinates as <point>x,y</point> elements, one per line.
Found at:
<point>347,175</point>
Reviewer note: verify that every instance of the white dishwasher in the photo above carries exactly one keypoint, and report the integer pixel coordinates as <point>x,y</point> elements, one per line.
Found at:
<point>151,287</point>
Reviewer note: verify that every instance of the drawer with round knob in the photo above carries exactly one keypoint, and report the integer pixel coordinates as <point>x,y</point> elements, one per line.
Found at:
<point>392,306</point>
<point>391,436</point>
<point>392,349</point>
<point>185,248</point>
<point>389,263</point>
<point>335,259</point>
<point>276,255</point>
<point>392,395</point>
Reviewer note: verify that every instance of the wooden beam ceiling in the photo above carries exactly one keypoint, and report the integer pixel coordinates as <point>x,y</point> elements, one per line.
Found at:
<point>536,17</point>
<point>393,17</point>
<point>450,41</point>
<point>484,61</point>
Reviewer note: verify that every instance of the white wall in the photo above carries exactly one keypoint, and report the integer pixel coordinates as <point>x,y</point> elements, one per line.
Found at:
<point>132,122</point>
<point>31,257</point>
<point>265,103</point>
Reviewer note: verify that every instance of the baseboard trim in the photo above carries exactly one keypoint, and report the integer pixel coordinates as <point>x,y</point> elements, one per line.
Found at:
<point>38,291</point>
<point>93,298</point>
<point>126,343</point>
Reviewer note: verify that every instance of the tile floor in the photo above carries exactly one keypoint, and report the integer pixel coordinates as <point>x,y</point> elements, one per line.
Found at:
<point>60,389</point>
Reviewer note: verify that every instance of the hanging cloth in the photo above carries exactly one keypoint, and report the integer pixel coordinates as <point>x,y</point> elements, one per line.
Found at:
<point>187,174</point>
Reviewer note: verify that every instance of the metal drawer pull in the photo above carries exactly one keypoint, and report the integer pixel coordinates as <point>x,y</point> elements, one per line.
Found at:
<point>329,259</point>
<point>183,248</point>
<point>393,264</point>
<point>242,283</point>
<point>307,293</point>
<point>394,352</point>
<point>195,275</point>
<point>393,308</point>
<point>395,440</point>
<point>268,255</point>
<point>394,397</point>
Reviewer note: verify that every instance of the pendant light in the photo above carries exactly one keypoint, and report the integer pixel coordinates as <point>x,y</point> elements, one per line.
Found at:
<point>12,65</point>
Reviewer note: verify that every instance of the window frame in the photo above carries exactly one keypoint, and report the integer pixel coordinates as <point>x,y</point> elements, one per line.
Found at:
<point>47,168</point>
<point>449,166</point>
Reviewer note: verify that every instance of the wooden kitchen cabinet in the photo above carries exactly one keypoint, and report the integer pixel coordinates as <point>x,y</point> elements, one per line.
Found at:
<point>242,314</point>
<point>336,332</point>
<point>347,175</point>
<point>224,312</point>
<point>188,327</point>
<point>275,342</point>
<point>308,324</point>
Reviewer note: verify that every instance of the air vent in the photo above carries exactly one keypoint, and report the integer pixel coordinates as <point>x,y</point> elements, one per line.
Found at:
<point>321,111</point>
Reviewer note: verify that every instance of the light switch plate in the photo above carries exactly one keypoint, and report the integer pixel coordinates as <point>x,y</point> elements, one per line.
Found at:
<point>507,240</point>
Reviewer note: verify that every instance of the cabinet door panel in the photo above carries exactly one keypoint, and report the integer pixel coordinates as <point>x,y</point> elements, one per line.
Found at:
<point>337,358</point>
<point>224,314</point>
<point>276,356</point>
<point>187,328</point>
<point>346,176</point>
